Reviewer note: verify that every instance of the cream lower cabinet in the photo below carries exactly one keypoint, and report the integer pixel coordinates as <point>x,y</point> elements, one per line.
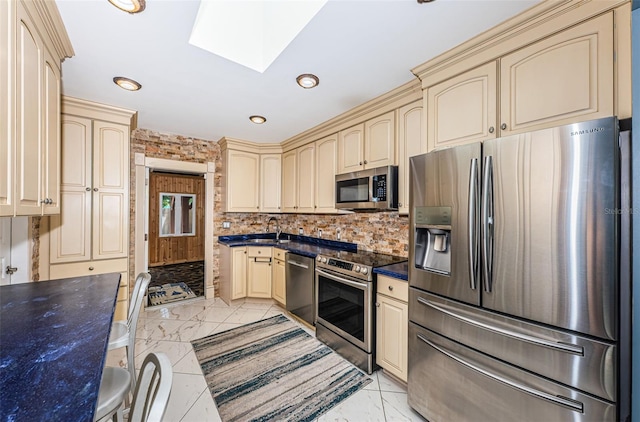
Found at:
<point>233,273</point>
<point>278,277</point>
<point>367,145</point>
<point>561,79</point>
<point>411,141</point>
<point>259,272</point>
<point>392,324</point>
<point>91,234</point>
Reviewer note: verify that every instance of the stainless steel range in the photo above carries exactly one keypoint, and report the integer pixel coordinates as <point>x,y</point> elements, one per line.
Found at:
<point>345,295</point>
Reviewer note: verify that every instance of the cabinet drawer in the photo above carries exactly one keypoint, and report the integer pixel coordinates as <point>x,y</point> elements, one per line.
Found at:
<point>76,269</point>
<point>393,287</point>
<point>279,254</point>
<point>259,251</point>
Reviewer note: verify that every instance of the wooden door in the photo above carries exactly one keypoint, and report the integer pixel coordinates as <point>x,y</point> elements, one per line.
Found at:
<point>351,149</point>
<point>243,181</point>
<point>379,141</point>
<point>165,250</point>
<point>306,178</point>
<point>289,181</point>
<point>270,182</point>
<point>412,141</point>
<point>110,190</point>
<point>326,170</point>
<point>562,79</point>
<point>462,109</point>
<point>7,85</point>
<point>70,239</point>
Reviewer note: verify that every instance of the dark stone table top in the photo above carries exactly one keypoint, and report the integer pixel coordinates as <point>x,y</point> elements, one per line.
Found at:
<point>399,270</point>
<point>301,245</point>
<point>53,345</point>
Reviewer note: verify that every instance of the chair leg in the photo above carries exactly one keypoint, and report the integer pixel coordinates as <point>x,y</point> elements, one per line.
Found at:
<point>131,366</point>
<point>119,417</point>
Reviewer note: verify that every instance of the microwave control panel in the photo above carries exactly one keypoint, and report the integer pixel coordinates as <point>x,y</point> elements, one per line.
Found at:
<point>380,188</point>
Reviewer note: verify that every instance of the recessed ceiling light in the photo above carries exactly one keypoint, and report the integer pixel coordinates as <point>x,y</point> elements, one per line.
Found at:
<point>131,6</point>
<point>307,80</point>
<point>257,119</point>
<point>126,83</point>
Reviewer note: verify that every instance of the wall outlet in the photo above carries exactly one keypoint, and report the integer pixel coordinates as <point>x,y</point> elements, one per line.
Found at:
<point>319,233</point>
<point>338,233</point>
<point>226,224</point>
<point>300,231</point>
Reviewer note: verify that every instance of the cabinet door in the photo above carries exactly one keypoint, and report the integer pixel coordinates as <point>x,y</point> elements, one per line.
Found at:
<point>391,336</point>
<point>70,238</point>
<point>259,278</point>
<point>29,106</point>
<point>243,181</point>
<point>326,169</point>
<point>412,141</point>
<point>560,80</point>
<point>462,109</point>
<point>351,149</point>
<point>7,86</point>
<point>379,141</point>
<point>238,273</point>
<point>289,181</point>
<point>270,182</point>
<point>279,282</point>
<point>51,137</point>
<point>306,178</point>
<point>110,231</point>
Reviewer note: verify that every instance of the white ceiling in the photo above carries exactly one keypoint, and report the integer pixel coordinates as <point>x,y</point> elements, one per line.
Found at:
<point>359,49</point>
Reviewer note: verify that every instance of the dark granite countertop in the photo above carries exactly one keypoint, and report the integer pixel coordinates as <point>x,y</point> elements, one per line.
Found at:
<point>53,346</point>
<point>399,270</point>
<point>301,245</point>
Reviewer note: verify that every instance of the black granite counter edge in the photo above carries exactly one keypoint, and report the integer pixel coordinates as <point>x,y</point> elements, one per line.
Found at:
<point>399,270</point>
<point>245,240</point>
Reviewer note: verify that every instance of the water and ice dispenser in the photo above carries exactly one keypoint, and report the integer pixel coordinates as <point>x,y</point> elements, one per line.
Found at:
<point>432,236</point>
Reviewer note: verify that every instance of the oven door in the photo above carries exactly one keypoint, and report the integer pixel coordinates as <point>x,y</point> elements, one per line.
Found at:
<point>343,305</point>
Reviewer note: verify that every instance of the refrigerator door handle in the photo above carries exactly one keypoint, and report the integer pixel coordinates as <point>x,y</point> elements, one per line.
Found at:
<point>574,405</point>
<point>474,215</point>
<point>487,223</point>
<point>563,347</point>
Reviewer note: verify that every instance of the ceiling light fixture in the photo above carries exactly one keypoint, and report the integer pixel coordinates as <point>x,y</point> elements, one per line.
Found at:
<point>131,6</point>
<point>257,119</point>
<point>126,83</point>
<point>307,80</point>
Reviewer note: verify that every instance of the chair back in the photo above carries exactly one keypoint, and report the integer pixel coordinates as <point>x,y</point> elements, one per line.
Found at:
<point>153,389</point>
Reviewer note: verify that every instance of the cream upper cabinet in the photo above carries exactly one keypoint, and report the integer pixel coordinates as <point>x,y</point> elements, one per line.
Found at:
<point>306,178</point>
<point>412,141</point>
<point>289,181</point>
<point>559,80</point>
<point>379,141</point>
<point>351,149</point>
<point>242,181</point>
<point>367,145</point>
<point>238,273</point>
<point>326,170</point>
<point>30,110</point>
<point>270,182</point>
<point>462,109</point>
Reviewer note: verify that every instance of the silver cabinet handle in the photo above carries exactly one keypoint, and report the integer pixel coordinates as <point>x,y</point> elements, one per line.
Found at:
<point>474,214</point>
<point>487,223</point>
<point>365,161</point>
<point>95,189</point>
<point>391,288</point>
<point>88,189</point>
<point>399,204</point>
<point>377,304</point>
<point>90,268</point>
<point>43,201</point>
<point>503,126</point>
<point>297,264</point>
<point>563,347</point>
<point>576,406</point>
<point>491,129</point>
<point>360,163</point>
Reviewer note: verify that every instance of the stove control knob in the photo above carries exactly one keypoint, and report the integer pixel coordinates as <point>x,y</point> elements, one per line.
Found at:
<point>357,269</point>
<point>364,270</point>
<point>318,258</point>
<point>324,260</point>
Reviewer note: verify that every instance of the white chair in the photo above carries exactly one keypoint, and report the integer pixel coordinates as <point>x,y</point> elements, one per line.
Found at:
<point>123,333</point>
<point>151,395</point>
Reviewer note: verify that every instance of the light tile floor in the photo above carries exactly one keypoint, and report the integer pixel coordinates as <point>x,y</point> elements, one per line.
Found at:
<point>170,330</point>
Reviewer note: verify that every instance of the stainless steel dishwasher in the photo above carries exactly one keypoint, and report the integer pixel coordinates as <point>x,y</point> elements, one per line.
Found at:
<point>300,277</point>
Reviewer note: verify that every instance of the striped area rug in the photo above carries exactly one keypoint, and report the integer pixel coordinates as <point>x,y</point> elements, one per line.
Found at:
<point>274,370</point>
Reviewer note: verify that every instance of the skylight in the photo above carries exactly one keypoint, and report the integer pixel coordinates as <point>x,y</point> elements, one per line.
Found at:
<point>252,33</point>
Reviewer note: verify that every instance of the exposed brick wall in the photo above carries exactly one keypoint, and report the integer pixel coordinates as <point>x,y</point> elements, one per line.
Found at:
<point>385,232</point>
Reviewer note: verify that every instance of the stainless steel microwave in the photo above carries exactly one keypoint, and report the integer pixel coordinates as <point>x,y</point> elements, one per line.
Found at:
<point>368,190</point>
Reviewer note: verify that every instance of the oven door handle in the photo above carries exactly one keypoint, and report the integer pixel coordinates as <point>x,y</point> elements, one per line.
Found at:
<point>342,280</point>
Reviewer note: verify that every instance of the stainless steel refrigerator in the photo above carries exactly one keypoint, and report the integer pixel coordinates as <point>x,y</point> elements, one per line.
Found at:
<point>519,280</point>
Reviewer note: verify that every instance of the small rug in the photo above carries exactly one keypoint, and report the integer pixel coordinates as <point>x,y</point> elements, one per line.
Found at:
<point>167,293</point>
<point>274,370</point>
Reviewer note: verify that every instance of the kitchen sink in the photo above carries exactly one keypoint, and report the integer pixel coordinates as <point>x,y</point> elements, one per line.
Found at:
<point>283,241</point>
<point>262,240</point>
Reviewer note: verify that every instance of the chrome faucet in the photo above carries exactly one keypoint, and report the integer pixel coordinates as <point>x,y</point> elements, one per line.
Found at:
<point>278,231</point>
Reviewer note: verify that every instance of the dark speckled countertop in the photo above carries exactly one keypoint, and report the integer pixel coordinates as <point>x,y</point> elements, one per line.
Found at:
<point>53,345</point>
<point>399,270</point>
<point>301,245</point>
